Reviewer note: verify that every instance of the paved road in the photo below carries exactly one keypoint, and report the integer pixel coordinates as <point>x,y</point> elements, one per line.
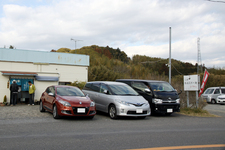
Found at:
<point>24,127</point>
<point>216,109</point>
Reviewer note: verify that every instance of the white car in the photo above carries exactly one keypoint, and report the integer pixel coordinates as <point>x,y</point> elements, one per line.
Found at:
<point>221,99</point>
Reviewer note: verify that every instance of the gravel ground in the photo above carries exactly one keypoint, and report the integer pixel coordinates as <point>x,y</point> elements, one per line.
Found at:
<point>21,111</point>
<point>25,111</point>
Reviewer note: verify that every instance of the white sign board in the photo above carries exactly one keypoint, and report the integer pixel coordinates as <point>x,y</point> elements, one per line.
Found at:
<point>192,83</point>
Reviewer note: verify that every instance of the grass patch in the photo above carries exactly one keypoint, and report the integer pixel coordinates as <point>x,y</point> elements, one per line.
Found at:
<point>196,112</point>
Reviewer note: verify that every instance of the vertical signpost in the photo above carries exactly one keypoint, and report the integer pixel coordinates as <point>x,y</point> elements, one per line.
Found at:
<point>192,83</point>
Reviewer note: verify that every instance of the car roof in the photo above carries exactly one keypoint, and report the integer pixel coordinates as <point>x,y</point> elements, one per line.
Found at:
<point>215,87</point>
<point>139,80</point>
<point>108,82</point>
<point>63,86</point>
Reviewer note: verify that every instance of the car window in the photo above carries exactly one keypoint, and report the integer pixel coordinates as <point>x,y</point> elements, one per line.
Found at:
<point>217,91</point>
<point>208,91</point>
<point>223,91</point>
<point>87,86</point>
<point>95,87</point>
<point>69,91</point>
<point>122,90</point>
<point>104,87</point>
<point>161,86</point>
<point>50,90</point>
<point>139,85</point>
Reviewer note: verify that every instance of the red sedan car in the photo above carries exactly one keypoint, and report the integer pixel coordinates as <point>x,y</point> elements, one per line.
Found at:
<point>66,101</point>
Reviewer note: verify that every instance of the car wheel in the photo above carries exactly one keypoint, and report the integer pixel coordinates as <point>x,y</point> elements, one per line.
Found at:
<point>55,112</point>
<point>112,112</point>
<point>41,108</point>
<point>213,101</point>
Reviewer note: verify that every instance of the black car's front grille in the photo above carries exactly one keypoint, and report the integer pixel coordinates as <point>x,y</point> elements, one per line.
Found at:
<point>78,113</point>
<point>135,113</point>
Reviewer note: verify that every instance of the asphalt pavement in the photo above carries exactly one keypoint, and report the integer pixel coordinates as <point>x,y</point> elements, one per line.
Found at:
<point>25,111</point>
<point>24,127</point>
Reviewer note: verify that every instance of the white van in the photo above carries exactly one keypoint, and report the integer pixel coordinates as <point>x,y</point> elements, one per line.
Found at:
<point>210,95</point>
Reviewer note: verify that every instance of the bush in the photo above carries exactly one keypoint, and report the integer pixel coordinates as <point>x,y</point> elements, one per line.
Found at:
<point>78,84</point>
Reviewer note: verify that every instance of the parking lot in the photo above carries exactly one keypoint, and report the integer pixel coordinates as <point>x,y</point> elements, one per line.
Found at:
<point>24,111</point>
<point>27,128</point>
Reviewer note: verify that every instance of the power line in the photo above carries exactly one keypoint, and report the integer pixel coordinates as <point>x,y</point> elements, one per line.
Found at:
<point>216,1</point>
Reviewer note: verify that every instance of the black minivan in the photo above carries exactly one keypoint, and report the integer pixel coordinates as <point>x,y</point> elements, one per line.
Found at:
<point>162,97</point>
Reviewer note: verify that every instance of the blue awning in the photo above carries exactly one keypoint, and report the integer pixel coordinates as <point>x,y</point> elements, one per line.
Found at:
<point>46,78</point>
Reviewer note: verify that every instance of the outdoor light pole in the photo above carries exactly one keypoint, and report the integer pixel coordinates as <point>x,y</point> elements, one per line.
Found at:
<point>170,55</point>
<point>75,43</point>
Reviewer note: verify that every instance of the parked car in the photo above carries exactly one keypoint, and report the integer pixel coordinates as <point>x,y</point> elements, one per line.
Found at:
<point>117,99</point>
<point>162,97</point>
<point>210,94</point>
<point>66,101</point>
<point>221,99</point>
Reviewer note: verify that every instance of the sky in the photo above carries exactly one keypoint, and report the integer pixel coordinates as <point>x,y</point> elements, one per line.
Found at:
<point>137,27</point>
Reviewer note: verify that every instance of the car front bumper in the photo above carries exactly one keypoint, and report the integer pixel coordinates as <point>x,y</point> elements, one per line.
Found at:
<point>166,108</point>
<point>76,111</point>
<point>123,110</point>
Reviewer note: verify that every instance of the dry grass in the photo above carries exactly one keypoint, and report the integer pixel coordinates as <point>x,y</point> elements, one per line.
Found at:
<point>196,112</point>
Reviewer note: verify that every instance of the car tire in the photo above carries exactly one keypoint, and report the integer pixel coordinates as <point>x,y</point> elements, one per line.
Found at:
<point>213,101</point>
<point>41,108</point>
<point>55,112</point>
<point>112,112</point>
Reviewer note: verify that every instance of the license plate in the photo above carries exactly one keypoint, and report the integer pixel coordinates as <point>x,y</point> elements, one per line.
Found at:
<point>80,110</point>
<point>139,111</point>
<point>169,110</point>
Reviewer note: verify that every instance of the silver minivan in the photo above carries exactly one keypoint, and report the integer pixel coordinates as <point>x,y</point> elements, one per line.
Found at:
<point>117,99</point>
<point>210,95</point>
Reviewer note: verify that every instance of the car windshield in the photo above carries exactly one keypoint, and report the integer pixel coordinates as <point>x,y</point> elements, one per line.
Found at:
<point>122,90</point>
<point>69,91</point>
<point>161,86</point>
<point>208,91</point>
<point>139,85</point>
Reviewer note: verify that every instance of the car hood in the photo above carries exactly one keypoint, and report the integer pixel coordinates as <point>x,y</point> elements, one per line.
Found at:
<point>73,100</point>
<point>132,99</point>
<point>221,96</point>
<point>170,95</point>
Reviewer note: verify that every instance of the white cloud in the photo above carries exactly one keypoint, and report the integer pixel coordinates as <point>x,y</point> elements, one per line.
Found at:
<point>136,27</point>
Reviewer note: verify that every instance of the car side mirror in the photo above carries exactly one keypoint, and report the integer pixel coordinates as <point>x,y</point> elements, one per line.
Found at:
<point>180,92</point>
<point>148,91</point>
<point>51,94</point>
<point>87,95</point>
<point>106,91</point>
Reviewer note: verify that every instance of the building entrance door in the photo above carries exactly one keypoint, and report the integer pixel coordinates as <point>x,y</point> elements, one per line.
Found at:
<point>23,94</point>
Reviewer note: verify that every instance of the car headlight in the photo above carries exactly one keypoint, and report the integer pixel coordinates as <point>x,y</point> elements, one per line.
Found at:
<point>178,101</point>
<point>92,104</point>
<point>157,101</point>
<point>123,102</point>
<point>64,103</point>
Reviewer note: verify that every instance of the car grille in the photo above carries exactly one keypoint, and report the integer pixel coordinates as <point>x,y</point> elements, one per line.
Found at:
<point>76,113</point>
<point>169,101</point>
<point>135,113</point>
<point>137,104</point>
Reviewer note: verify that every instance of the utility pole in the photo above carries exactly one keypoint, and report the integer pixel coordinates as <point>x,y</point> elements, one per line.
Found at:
<point>170,55</point>
<point>75,43</point>
<point>199,60</point>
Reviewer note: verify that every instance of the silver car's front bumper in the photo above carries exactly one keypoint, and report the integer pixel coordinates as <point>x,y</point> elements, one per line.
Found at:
<point>124,110</point>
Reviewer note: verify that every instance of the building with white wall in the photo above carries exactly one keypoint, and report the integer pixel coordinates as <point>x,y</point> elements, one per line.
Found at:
<point>40,67</point>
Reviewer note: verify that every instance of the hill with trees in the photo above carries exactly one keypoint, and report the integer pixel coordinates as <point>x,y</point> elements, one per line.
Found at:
<point>109,64</point>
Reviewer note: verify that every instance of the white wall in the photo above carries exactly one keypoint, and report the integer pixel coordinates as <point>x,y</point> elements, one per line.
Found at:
<point>66,73</point>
